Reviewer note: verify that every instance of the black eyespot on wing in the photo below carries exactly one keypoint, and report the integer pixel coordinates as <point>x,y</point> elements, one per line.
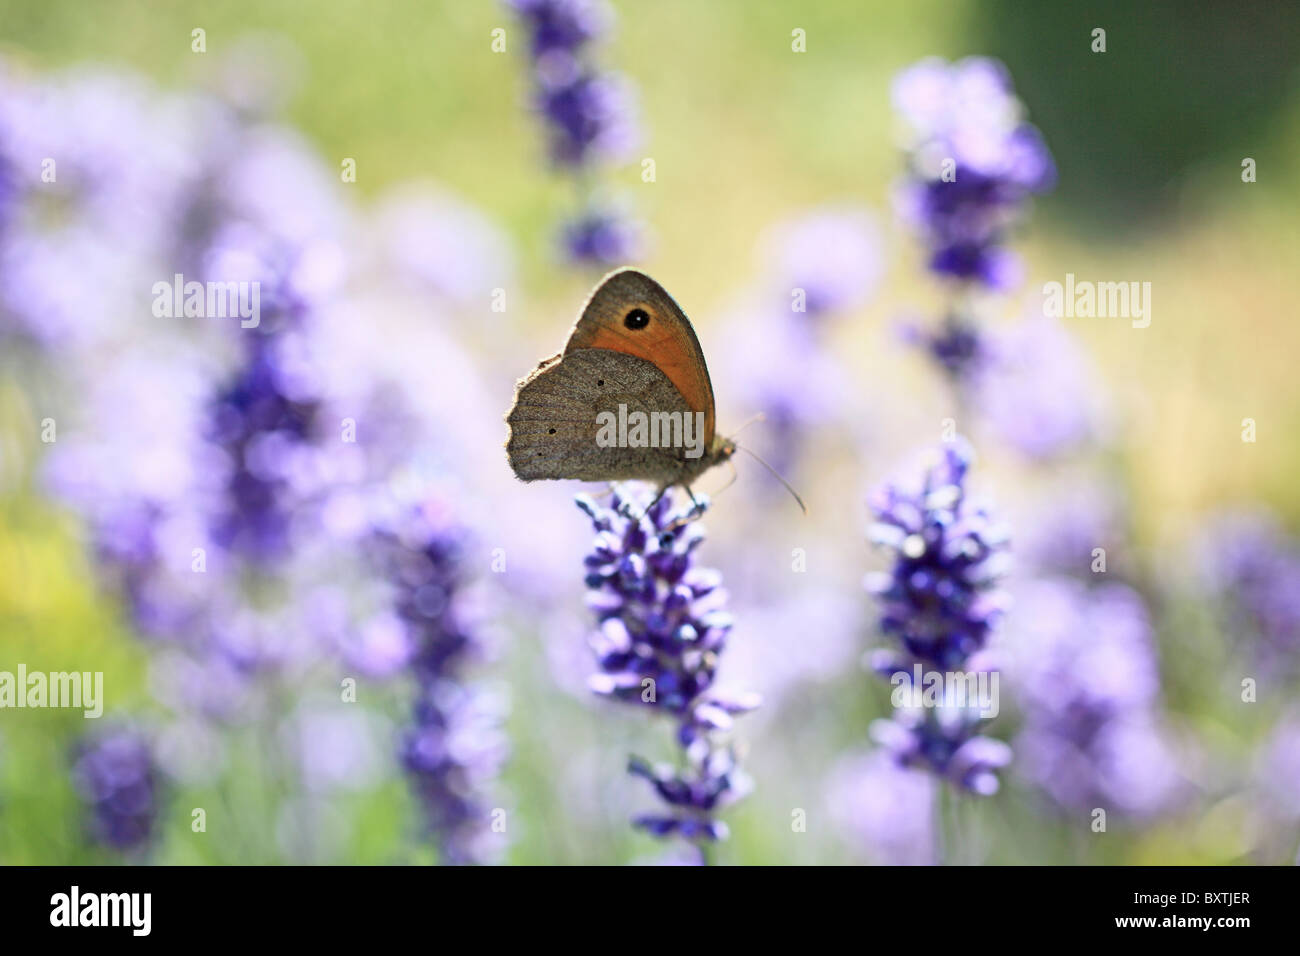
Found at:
<point>636,319</point>
<point>551,432</point>
<point>600,381</point>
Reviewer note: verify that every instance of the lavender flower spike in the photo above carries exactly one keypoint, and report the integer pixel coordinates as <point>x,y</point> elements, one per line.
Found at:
<point>944,741</point>
<point>939,599</point>
<point>940,602</point>
<point>966,114</point>
<point>603,235</point>
<point>117,777</point>
<point>589,118</point>
<point>454,746</point>
<point>663,626</point>
<point>587,113</point>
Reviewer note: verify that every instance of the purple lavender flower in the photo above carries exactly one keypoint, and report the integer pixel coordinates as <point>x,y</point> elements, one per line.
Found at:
<point>940,599</point>
<point>828,619</point>
<point>788,375</point>
<point>887,806</point>
<point>234,470</point>
<point>1084,669</point>
<point>265,430</point>
<point>234,460</point>
<point>336,748</point>
<point>452,753</point>
<point>231,472</point>
<point>441,244</point>
<point>1038,389</point>
<point>1251,567</point>
<point>8,191</point>
<point>1063,526</point>
<point>603,236</point>
<point>1083,652</point>
<point>945,741</point>
<point>84,212</point>
<point>589,117</point>
<point>957,346</point>
<point>116,775</point>
<point>588,114</point>
<point>139,485</point>
<point>562,26</point>
<point>663,626</point>
<point>967,114</point>
<point>454,746</point>
<point>11,185</point>
<point>818,267</point>
<point>1277,769</point>
<point>1127,766</point>
<point>832,254</point>
<point>268,213</point>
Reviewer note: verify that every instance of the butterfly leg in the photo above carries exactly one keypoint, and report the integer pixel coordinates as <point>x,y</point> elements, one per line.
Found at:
<point>625,500</point>
<point>650,507</point>
<point>696,508</point>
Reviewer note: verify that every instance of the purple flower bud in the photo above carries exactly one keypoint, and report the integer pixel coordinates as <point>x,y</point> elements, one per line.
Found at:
<point>973,163</point>
<point>117,777</point>
<point>1083,666</point>
<point>939,600</point>
<point>603,237</point>
<point>1251,567</point>
<point>588,116</point>
<point>561,25</point>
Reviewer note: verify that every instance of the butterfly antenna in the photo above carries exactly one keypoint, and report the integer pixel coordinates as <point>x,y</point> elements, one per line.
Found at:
<point>760,417</point>
<point>775,474</point>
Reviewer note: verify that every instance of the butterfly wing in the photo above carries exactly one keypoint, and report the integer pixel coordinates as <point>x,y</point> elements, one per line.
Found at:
<point>554,427</point>
<point>665,338</point>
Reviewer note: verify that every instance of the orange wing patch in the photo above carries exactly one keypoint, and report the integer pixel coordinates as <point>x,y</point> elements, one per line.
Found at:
<point>667,340</point>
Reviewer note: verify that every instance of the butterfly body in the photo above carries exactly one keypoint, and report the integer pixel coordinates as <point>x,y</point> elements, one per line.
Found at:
<point>628,399</point>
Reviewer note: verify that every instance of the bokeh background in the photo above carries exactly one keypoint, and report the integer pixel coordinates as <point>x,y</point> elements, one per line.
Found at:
<point>382,304</point>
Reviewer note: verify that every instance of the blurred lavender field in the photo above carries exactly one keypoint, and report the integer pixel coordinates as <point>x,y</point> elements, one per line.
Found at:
<point>332,626</point>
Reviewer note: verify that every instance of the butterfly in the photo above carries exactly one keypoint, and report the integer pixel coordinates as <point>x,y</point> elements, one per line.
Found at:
<point>629,398</point>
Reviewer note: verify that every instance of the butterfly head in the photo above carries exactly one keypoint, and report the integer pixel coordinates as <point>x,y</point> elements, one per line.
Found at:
<point>722,450</point>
